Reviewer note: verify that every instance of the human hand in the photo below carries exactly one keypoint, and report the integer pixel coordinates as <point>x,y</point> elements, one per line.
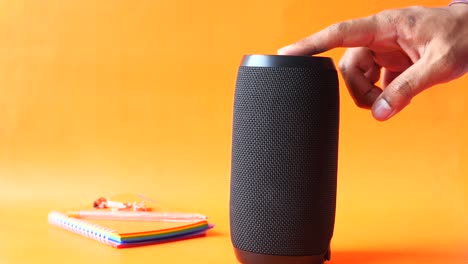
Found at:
<point>416,47</point>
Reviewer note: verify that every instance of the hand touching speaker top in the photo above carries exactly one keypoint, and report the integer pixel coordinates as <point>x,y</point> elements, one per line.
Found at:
<point>414,48</point>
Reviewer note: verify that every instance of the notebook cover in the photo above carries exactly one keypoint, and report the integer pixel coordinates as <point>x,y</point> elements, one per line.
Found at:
<point>122,234</point>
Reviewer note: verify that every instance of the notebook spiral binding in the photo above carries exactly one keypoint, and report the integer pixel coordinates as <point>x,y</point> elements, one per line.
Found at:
<point>96,232</point>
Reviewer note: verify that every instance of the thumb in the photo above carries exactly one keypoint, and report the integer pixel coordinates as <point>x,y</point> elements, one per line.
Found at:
<point>398,94</point>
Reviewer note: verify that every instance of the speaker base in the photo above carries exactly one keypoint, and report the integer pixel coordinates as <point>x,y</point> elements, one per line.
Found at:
<point>246,257</point>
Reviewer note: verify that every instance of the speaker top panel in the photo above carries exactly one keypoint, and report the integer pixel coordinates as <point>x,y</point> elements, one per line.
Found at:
<point>254,60</point>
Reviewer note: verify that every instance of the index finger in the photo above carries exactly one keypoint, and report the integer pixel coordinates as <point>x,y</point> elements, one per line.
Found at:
<point>351,33</point>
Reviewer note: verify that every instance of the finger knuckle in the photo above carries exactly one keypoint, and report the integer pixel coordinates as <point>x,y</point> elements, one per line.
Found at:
<point>348,60</point>
<point>444,64</point>
<point>405,89</point>
<point>335,27</point>
<point>390,17</point>
<point>449,59</point>
<point>342,65</point>
<point>340,27</point>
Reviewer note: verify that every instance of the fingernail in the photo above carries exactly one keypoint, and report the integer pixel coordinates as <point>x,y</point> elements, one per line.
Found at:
<point>382,110</point>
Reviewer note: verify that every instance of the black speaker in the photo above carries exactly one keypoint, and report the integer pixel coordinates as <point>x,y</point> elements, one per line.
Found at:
<point>284,159</point>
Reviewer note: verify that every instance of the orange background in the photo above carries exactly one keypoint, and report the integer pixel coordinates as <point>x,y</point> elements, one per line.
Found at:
<point>112,96</point>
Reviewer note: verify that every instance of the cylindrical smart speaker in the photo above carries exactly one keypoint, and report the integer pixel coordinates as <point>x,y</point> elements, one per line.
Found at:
<point>284,159</point>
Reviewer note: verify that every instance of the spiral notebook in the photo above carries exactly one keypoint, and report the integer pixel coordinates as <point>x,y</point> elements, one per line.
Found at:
<point>121,234</point>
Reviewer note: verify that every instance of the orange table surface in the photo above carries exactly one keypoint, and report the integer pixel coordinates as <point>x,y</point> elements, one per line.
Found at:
<point>28,238</point>
<point>99,98</point>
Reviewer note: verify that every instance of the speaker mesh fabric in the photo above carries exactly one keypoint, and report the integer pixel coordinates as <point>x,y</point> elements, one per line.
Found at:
<point>284,160</point>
